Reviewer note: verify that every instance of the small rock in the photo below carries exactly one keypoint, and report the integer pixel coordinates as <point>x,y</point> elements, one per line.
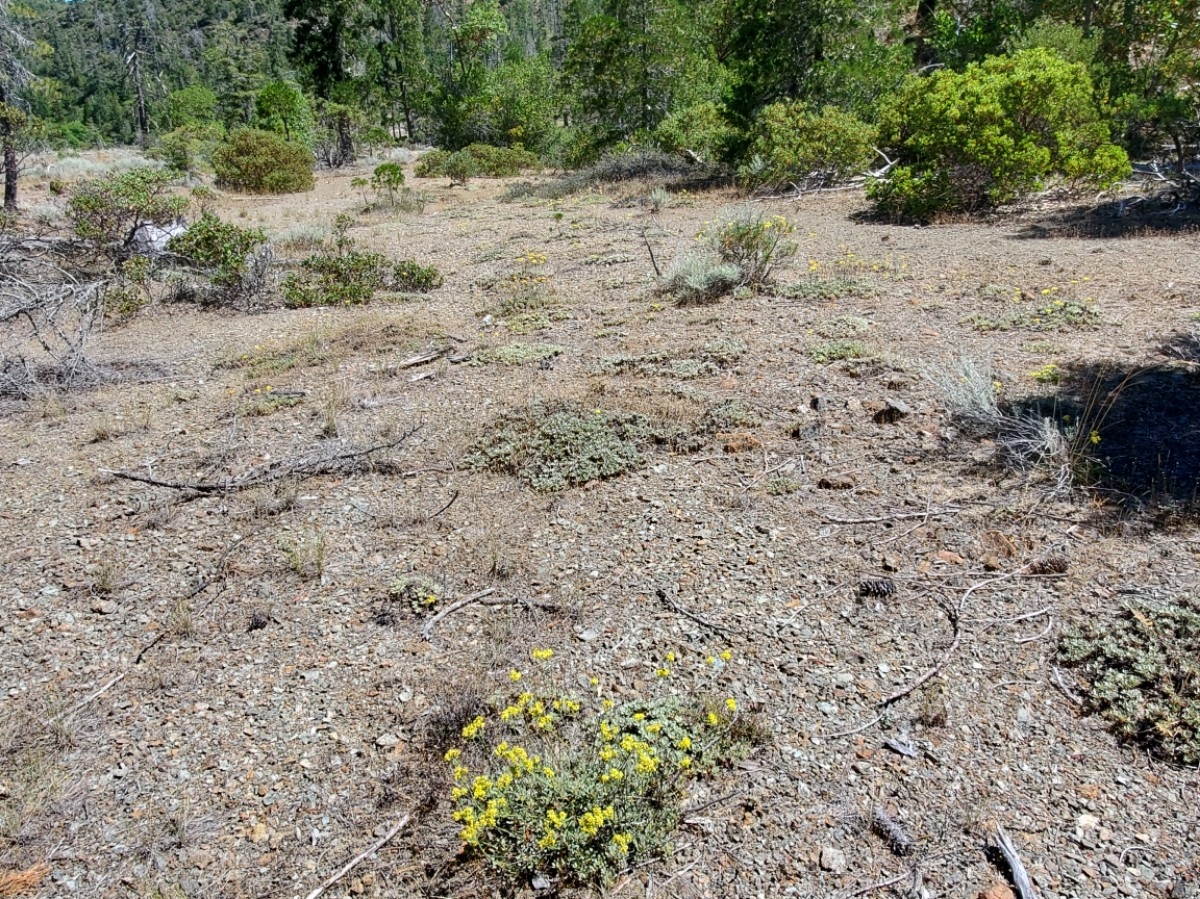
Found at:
<point>386,740</point>
<point>990,562</point>
<point>837,482</point>
<point>105,607</point>
<point>997,890</point>
<point>950,558</point>
<point>833,860</point>
<point>259,833</point>
<point>892,411</point>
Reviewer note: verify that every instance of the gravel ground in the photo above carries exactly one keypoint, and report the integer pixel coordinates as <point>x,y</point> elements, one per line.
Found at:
<point>201,697</point>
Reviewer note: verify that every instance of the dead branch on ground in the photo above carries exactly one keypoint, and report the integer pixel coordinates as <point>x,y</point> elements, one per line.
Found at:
<point>1020,876</point>
<point>358,859</point>
<point>309,465</point>
<point>481,599</point>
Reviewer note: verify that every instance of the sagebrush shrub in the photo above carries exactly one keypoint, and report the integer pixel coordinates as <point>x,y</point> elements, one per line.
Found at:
<point>344,277</point>
<point>408,274</point>
<point>791,144</point>
<point>993,133</point>
<point>263,162</point>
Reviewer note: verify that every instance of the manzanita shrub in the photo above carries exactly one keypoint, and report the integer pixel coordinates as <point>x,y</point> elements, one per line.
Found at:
<point>992,133</point>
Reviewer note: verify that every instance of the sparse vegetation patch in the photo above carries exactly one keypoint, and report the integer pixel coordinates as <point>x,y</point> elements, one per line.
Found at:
<point>1143,674</point>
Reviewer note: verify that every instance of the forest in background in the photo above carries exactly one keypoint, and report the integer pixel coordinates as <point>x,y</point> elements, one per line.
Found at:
<point>565,79</point>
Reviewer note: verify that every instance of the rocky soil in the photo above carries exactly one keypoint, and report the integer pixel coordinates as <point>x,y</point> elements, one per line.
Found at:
<point>212,694</point>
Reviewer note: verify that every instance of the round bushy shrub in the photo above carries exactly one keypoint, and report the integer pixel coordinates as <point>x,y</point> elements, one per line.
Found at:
<point>699,128</point>
<point>791,144</point>
<point>262,162</point>
<point>991,134</point>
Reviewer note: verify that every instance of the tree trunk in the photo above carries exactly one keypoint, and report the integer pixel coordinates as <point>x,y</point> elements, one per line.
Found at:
<point>11,170</point>
<point>926,11</point>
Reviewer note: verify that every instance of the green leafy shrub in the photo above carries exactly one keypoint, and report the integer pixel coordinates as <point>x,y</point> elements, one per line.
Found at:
<point>754,243</point>
<point>223,251</point>
<point>1143,673</point>
<point>477,159</point>
<point>388,178</point>
<point>549,785</point>
<point>697,278</point>
<point>410,275</point>
<point>262,162</point>
<point>991,134</point>
<point>700,128</point>
<point>552,446</point>
<point>189,147</point>
<point>793,145</point>
<point>502,162</point>
<point>342,278</point>
<point>110,211</point>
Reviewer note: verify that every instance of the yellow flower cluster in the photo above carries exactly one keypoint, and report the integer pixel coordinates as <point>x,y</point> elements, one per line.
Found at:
<point>542,655</point>
<point>591,821</point>
<point>533,259</point>
<point>476,822</point>
<point>474,729</point>
<point>623,842</point>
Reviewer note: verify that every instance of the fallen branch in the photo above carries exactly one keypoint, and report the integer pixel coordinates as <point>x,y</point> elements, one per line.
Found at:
<point>723,631</point>
<point>855,730</point>
<point>427,630</point>
<point>301,467</point>
<point>358,859</point>
<point>1020,877</point>
<point>1045,632</point>
<point>956,621</point>
<point>898,516</point>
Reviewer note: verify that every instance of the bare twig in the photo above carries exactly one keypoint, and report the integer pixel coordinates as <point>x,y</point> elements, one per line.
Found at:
<point>427,630</point>
<point>358,859</point>
<point>723,631</point>
<point>92,697</point>
<point>307,466</point>
<point>879,886</point>
<point>449,503</point>
<point>650,250</point>
<point>1045,632</point>
<point>898,516</point>
<point>1021,881</point>
<point>855,730</point>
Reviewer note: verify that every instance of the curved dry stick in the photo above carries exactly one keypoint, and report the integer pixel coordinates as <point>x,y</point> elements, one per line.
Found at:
<point>358,859</point>
<point>1019,875</point>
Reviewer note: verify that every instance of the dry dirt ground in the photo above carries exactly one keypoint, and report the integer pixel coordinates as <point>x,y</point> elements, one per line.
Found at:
<point>214,696</point>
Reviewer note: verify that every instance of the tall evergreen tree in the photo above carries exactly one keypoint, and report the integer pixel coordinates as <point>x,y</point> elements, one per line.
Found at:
<point>14,76</point>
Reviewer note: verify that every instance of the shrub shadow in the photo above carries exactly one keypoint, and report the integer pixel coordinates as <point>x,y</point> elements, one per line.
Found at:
<point>1152,216</point>
<point>1136,431</point>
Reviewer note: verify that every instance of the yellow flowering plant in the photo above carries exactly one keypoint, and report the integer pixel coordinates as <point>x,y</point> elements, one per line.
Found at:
<point>579,790</point>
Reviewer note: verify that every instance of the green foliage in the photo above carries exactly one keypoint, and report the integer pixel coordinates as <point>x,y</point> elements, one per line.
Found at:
<point>699,128</point>
<point>192,105</point>
<point>793,145</point>
<point>409,275</point>
<point>516,354</point>
<point>282,107</point>
<point>991,134</point>
<point>388,178</point>
<point>697,278</point>
<point>477,159</point>
<point>221,249</point>
<point>189,147</point>
<point>110,211</point>
<point>754,243</point>
<point>742,251</point>
<point>262,162</point>
<point>545,787</point>
<point>837,350</point>
<point>1064,38</point>
<point>1143,669</point>
<point>345,277</point>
